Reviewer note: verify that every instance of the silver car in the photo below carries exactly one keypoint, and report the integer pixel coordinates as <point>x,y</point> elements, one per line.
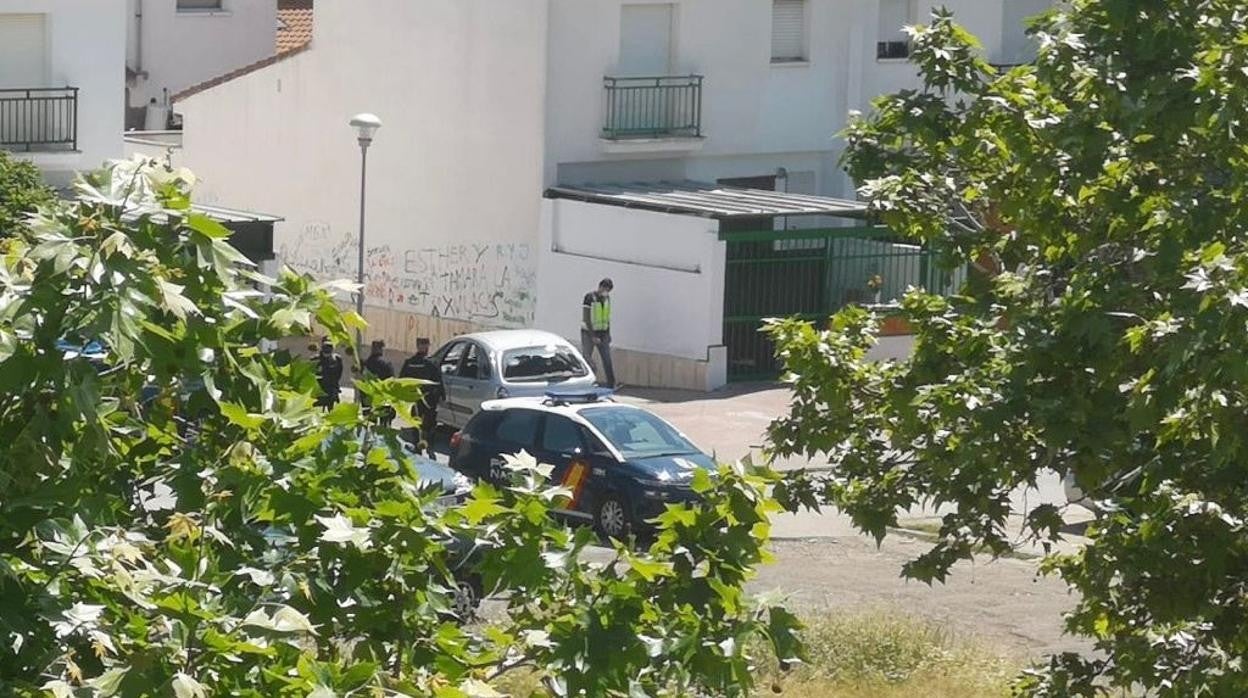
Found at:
<point>505,363</point>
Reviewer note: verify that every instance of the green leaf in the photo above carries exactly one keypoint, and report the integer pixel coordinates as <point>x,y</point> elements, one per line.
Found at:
<point>238,415</point>
<point>206,226</point>
<point>478,508</point>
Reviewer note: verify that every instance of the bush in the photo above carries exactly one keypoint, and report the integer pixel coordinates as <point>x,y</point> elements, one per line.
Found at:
<point>22,191</point>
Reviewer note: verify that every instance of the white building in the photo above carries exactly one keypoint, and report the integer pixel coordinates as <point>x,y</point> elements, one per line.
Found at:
<point>61,68</point>
<point>720,116</point>
<point>173,44</point>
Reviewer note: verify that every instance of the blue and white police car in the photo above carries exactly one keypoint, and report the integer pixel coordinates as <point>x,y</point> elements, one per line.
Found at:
<point>622,463</point>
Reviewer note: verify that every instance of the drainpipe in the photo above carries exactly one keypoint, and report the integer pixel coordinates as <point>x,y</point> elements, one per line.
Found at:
<point>782,175</point>
<point>138,44</point>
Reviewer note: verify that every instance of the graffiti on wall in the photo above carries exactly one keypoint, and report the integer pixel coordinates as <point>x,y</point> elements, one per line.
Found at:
<point>488,282</point>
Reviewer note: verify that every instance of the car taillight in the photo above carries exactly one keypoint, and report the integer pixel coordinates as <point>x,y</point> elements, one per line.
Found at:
<point>502,393</point>
<point>456,439</point>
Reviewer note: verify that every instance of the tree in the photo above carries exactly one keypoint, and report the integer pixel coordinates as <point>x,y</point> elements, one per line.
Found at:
<point>178,517</point>
<point>1100,194</point>
<point>22,191</point>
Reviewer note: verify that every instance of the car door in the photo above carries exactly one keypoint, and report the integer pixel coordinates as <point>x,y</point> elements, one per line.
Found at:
<point>578,458</point>
<point>474,381</point>
<point>448,360</point>
<point>515,431</point>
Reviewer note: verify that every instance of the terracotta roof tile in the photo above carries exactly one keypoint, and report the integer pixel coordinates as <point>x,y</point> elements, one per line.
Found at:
<point>207,84</point>
<point>294,24</point>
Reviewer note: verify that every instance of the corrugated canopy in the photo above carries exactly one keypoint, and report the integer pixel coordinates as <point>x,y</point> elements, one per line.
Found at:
<point>708,200</point>
<point>220,214</point>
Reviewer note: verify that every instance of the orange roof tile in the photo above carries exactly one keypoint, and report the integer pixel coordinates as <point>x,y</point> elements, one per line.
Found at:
<point>195,89</point>
<point>294,24</point>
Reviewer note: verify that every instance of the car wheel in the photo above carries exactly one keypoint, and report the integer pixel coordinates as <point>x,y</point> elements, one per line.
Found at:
<point>613,519</point>
<point>466,600</point>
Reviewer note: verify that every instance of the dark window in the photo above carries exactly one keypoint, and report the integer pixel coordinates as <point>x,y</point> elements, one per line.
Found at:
<point>450,360</point>
<point>475,364</point>
<point>594,445</point>
<point>561,435</point>
<point>636,433</point>
<point>542,363</point>
<point>482,425</point>
<point>518,428</point>
<point>892,49</point>
<point>199,5</point>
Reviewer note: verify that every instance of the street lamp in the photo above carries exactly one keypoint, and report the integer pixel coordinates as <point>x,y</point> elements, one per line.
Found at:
<point>365,126</point>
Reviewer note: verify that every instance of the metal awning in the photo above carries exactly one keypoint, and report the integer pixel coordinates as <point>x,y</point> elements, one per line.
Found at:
<point>220,214</point>
<point>251,232</point>
<point>708,200</point>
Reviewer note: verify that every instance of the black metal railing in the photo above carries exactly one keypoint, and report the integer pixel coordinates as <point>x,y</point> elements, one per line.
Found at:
<point>39,118</point>
<point>892,49</point>
<point>653,107</point>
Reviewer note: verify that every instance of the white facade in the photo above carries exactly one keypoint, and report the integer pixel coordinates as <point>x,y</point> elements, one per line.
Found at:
<point>488,102</point>
<point>51,45</point>
<point>170,49</point>
<point>454,174</point>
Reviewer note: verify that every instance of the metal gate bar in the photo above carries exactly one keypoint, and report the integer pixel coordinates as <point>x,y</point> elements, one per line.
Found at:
<point>811,274</point>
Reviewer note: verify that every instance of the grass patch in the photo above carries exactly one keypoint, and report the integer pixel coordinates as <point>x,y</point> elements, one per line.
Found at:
<point>885,653</point>
<point>873,654</point>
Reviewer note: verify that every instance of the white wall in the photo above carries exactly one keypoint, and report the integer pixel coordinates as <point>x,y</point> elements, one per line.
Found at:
<point>86,43</point>
<point>750,106</point>
<point>756,115</point>
<point>668,272</point>
<point>181,49</point>
<point>454,177</point>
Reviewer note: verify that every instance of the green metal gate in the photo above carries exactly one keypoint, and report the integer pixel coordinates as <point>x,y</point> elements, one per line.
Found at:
<point>812,274</point>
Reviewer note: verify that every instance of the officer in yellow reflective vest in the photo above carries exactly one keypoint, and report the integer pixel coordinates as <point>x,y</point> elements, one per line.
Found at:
<point>596,328</point>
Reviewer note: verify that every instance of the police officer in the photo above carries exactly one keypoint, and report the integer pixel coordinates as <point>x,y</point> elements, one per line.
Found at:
<point>420,366</point>
<point>596,328</point>
<point>328,375</point>
<point>376,366</point>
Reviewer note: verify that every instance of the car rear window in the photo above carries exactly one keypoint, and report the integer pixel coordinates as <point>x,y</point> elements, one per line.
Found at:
<point>542,363</point>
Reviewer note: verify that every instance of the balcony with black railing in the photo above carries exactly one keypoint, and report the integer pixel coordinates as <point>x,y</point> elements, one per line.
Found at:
<point>39,119</point>
<point>653,107</point>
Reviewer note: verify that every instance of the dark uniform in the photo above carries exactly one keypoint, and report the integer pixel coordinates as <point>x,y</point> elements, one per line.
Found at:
<point>420,366</point>
<point>376,366</point>
<point>328,376</point>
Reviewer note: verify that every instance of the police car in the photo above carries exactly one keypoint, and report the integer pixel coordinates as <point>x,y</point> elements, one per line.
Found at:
<point>622,463</point>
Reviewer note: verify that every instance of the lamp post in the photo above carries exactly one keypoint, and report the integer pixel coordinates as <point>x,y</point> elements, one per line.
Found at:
<point>365,126</point>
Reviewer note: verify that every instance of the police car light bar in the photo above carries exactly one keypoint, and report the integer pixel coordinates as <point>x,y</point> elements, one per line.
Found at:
<point>579,396</point>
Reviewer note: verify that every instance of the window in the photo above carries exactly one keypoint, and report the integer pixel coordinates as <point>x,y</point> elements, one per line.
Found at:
<point>892,41</point>
<point>542,364</point>
<point>561,435</point>
<point>788,31</point>
<point>518,428</point>
<point>198,5</point>
<point>476,363</point>
<point>450,360</point>
<point>637,433</point>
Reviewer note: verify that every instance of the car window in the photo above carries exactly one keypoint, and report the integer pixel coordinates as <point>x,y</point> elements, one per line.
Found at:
<point>450,360</point>
<point>593,444</point>
<point>636,433</point>
<point>518,428</point>
<point>561,435</point>
<point>542,363</point>
<point>474,363</point>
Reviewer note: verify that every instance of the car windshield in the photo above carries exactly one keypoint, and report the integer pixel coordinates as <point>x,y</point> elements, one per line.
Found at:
<point>637,433</point>
<point>542,363</point>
